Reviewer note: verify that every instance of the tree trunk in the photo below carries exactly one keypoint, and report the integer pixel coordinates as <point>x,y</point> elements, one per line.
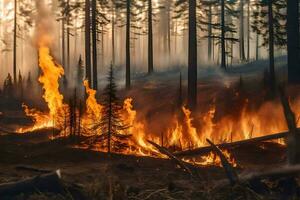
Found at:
<point>271,45</point>
<point>192,56</point>
<point>223,47</point>
<point>257,47</point>
<point>94,39</point>
<point>15,44</point>
<point>128,12</point>
<point>150,38</point>
<point>63,58</point>
<point>209,29</point>
<point>68,38</point>
<point>169,32</point>
<point>88,42</point>
<point>248,30</point>
<point>293,41</point>
<point>102,46</point>
<point>113,34</point>
<point>242,40</point>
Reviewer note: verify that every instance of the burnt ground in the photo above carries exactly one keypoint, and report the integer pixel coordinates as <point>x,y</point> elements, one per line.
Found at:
<point>99,176</point>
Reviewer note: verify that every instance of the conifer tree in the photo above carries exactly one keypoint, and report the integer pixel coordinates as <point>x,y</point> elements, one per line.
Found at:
<point>112,126</point>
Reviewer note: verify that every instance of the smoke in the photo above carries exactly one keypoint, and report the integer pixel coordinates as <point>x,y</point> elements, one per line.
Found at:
<point>45,33</point>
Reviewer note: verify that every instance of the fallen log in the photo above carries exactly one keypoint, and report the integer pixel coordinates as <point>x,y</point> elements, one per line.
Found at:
<point>44,183</point>
<point>207,149</point>
<point>172,157</point>
<point>229,170</point>
<point>6,131</point>
<point>32,169</point>
<point>277,173</point>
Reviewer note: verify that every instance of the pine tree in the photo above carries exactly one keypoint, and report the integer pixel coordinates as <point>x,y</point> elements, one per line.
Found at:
<point>8,86</point>
<point>269,21</point>
<point>111,124</point>
<point>20,86</point>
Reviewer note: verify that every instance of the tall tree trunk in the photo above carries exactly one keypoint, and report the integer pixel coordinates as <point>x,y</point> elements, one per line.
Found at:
<point>63,58</point>
<point>248,30</point>
<point>242,40</point>
<point>128,13</point>
<point>293,41</point>
<point>113,33</point>
<point>209,30</point>
<point>68,37</point>
<point>94,39</point>
<point>192,56</point>
<point>223,45</point>
<point>88,42</point>
<point>257,47</point>
<point>271,45</point>
<point>15,44</point>
<point>150,38</point>
<point>169,32</point>
<point>102,46</point>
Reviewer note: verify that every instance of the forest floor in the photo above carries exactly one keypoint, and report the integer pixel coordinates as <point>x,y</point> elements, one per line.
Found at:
<point>100,176</point>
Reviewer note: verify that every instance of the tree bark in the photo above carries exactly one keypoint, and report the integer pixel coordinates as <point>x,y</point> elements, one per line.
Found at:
<point>88,42</point>
<point>223,47</point>
<point>209,29</point>
<point>94,39</point>
<point>271,45</point>
<point>15,44</point>
<point>150,38</point>
<point>293,41</point>
<point>242,40</point>
<point>257,47</point>
<point>248,30</point>
<point>192,56</point>
<point>128,13</point>
<point>68,38</point>
<point>113,33</point>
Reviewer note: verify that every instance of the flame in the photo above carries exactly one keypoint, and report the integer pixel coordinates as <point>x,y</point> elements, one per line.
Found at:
<point>213,159</point>
<point>93,108</point>
<point>51,72</point>
<point>49,78</point>
<point>139,144</point>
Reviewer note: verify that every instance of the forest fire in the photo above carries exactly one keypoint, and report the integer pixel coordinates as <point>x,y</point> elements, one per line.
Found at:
<point>149,99</point>
<point>181,134</point>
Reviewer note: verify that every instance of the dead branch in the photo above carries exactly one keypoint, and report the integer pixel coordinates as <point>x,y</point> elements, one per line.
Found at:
<point>171,156</point>
<point>293,139</point>
<point>207,149</point>
<point>229,170</point>
<point>47,182</point>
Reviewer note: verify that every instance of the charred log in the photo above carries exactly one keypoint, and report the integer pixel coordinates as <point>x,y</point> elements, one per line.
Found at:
<point>48,182</point>
<point>207,149</point>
